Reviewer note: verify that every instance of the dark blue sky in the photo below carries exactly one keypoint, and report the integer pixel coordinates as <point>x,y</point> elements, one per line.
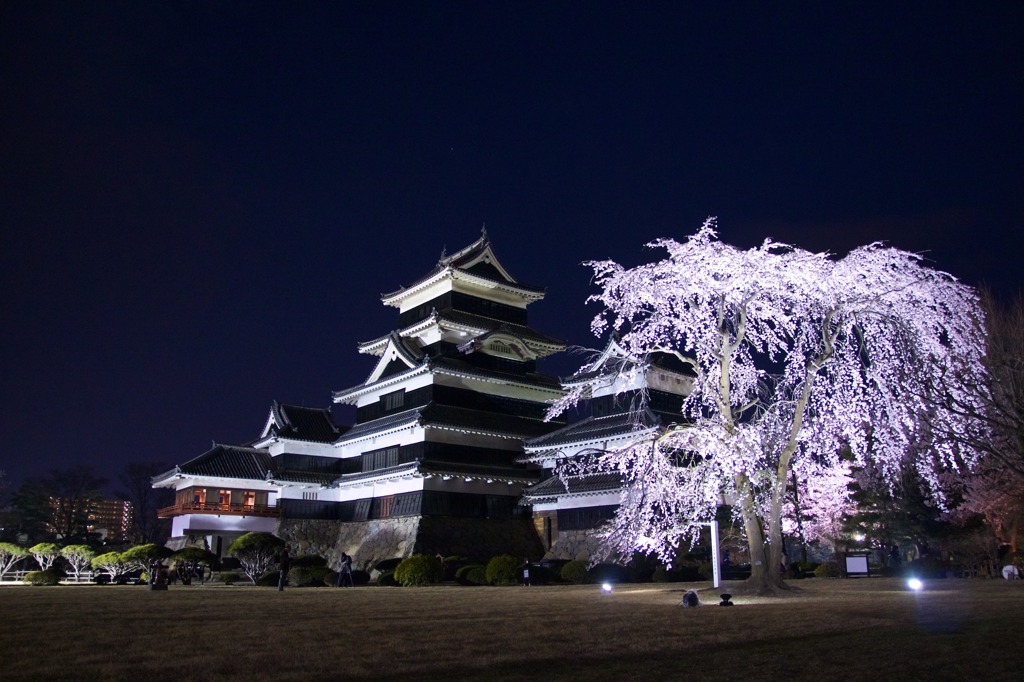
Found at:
<point>201,202</point>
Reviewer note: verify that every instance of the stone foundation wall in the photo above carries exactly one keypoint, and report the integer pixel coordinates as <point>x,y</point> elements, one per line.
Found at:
<point>178,543</point>
<point>573,544</point>
<point>478,539</point>
<point>369,542</point>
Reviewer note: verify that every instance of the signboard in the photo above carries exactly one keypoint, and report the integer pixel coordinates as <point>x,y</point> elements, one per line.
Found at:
<point>856,566</point>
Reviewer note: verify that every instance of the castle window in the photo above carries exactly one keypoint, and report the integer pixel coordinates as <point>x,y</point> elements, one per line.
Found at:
<point>393,401</point>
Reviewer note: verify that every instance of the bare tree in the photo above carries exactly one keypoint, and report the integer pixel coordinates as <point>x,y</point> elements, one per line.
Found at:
<point>57,505</point>
<point>996,489</point>
<point>137,488</point>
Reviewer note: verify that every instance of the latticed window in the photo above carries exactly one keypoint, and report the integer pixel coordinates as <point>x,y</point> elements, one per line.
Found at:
<point>381,459</point>
<point>393,401</point>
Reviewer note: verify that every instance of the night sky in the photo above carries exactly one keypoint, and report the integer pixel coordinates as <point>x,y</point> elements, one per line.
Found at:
<point>201,203</point>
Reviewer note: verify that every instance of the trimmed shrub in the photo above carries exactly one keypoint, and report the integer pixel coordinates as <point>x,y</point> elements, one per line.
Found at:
<point>829,569</point>
<point>608,573</point>
<point>321,575</point>
<point>229,578</point>
<point>419,569</point>
<point>662,575</point>
<point>41,578</point>
<point>927,567</point>
<point>451,565</point>
<point>387,565</point>
<point>503,570</point>
<point>575,572</point>
<point>471,574</point>
<point>387,579</point>
<point>804,569</point>
<point>308,561</point>
<point>301,576</point>
<point>268,579</point>
<point>358,577</point>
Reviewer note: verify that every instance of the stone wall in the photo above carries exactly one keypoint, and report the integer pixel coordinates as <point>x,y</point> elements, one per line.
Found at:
<point>369,542</point>
<point>478,539</point>
<point>574,544</point>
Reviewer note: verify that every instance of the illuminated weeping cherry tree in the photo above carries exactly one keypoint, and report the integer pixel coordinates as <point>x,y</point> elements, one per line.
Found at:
<point>794,355</point>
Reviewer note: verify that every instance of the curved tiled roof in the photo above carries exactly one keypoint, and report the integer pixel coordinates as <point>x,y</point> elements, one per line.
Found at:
<point>459,418</point>
<point>229,461</point>
<point>459,261</point>
<point>304,423</point>
<point>590,484</point>
<point>437,468</point>
<point>458,367</point>
<point>596,429</point>
<point>391,421</point>
<point>480,322</point>
<point>463,367</point>
<point>296,476</point>
<point>496,473</point>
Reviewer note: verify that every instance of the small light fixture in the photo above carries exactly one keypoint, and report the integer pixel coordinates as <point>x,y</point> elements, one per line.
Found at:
<point>726,599</point>
<point>915,584</point>
<point>606,588</point>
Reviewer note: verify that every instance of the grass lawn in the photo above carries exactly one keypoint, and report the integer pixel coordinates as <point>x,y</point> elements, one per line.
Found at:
<point>827,630</point>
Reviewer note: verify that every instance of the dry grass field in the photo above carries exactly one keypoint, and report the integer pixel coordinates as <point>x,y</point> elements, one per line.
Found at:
<point>827,630</point>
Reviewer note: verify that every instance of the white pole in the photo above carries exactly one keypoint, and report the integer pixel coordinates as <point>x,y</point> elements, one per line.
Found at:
<point>716,570</point>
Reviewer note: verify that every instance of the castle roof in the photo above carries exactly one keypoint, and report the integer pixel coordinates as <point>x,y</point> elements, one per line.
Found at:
<point>428,469</point>
<point>471,323</point>
<point>549,490</point>
<point>312,424</point>
<point>244,463</point>
<point>451,366</point>
<point>226,461</point>
<point>475,262</point>
<point>451,418</point>
<point>591,430</point>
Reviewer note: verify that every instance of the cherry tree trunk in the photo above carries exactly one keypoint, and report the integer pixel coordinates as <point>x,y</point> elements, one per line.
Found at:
<point>765,557</point>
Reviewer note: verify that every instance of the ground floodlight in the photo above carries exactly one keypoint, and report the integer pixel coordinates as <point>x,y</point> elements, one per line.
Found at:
<point>915,584</point>
<point>606,587</point>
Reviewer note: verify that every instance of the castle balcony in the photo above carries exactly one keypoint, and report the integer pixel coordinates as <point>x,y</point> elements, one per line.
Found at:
<point>218,509</point>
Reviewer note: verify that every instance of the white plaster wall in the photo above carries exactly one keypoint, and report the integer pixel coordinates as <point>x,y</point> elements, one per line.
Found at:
<point>576,502</point>
<point>404,436</point>
<point>232,483</point>
<point>378,489</point>
<point>201,523</point>
<point>300,447</point>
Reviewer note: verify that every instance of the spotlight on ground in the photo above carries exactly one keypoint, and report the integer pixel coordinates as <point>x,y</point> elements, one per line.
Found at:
<point>915,584</point>
<point>606,587</point>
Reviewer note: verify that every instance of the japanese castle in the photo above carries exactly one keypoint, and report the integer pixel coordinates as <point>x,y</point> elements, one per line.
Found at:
<point>449,454</point>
